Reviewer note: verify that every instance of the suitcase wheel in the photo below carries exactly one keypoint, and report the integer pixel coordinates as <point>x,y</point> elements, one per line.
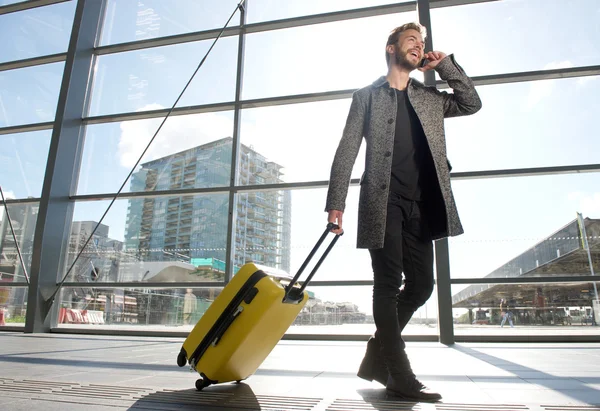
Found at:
<point>201,383</point>
<point>181,359</point>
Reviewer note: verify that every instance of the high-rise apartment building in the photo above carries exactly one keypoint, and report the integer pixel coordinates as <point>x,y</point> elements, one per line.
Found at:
<point>195,226</point>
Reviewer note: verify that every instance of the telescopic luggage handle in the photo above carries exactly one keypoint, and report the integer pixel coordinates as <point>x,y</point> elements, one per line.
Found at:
<point>294,295</point>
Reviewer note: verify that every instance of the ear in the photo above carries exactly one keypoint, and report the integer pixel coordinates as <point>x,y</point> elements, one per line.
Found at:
<point>389,49</point>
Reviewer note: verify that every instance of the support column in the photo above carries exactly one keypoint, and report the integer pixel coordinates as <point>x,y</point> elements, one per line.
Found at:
<point>55,214</point>
<point>442,255</point>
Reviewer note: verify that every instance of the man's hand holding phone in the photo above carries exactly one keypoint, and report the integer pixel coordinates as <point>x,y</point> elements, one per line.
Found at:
<point>431,60</point>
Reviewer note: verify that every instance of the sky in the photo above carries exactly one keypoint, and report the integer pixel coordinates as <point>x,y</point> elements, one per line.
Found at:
<point>532,124</point>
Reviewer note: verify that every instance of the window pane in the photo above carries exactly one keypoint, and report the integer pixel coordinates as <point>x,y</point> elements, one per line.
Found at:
<point>288,150</point>
<point>14,302</point>
<point>145,309</point>
<point>279,228</point>
<point>349,310</point>
<point>29,95</point>
<point>161,239</point>
<point>322,57</point>
<point>191,151</point>
<point>472,33</point>
<point>36,32</point>
<point>24,220</point>
<point>264,10</point>
<point>531,124</point>
<point>135,20</point>
<point>153,78</point>
<point>533,309</point>
<point>23,159</point>
<point>525,226</point>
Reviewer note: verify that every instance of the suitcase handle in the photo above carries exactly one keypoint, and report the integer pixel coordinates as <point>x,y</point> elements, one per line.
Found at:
<point>294,295</point>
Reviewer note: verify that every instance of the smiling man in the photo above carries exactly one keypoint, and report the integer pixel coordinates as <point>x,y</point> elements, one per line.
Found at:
<point>406,200</point>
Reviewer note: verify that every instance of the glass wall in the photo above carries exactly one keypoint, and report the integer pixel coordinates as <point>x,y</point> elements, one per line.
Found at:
<point>238,172</point>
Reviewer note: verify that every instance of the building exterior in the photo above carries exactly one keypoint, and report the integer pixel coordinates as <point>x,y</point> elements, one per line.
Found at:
<point>188,228</point>
<point>563,253</point>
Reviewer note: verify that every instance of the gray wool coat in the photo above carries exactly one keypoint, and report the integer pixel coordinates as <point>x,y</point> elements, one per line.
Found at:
<point>372,116</point>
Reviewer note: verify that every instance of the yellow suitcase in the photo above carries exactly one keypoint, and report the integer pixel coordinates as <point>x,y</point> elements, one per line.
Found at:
<point>245,322</point>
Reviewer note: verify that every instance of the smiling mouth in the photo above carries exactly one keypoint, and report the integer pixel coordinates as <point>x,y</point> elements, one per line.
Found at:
<point>415,53</point>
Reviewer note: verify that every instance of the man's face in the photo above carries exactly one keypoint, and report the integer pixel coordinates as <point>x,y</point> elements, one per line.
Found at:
<point>408,51</point>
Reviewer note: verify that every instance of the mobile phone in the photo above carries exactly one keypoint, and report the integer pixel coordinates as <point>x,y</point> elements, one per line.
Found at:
<point>423,62</point>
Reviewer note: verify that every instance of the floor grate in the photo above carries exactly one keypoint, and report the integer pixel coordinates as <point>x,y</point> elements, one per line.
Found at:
<point>369,405</point>
<point>480,407</point>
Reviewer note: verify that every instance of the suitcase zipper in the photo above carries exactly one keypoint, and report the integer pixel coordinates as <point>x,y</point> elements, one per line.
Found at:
<point>246,293</point>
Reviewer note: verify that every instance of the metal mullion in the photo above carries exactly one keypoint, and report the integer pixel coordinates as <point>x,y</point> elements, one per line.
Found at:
<point>27,5</point>
<point>436,4</point>
<point>151,194</point>
<point>259,27</point>
<point>471,175</point>
<point>525,76</point>
<point>178,111</point>
<point>331,17</point>
<point>334,95</point>
<point>133,284</point>
<point>17,284</point>
<point>526,280</point>
<point>340,283</point>
<point>468,175</point>
<point>166,41</point>
<point>298,98</point>
<point>526,172</point>
<point>26,128</point>
<point>32,62</point>
<point>492,79</point>
<point>18,201</point>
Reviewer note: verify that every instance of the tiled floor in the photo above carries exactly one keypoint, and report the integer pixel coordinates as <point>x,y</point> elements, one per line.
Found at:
<point>73,372</point>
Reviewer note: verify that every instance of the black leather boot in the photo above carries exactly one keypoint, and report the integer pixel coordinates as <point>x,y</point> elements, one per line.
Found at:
<point>372,366</point>
<point>403,384</point>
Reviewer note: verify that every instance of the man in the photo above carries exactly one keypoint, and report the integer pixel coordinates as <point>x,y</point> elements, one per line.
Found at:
<point>406,200</point>
<point>189,306</point>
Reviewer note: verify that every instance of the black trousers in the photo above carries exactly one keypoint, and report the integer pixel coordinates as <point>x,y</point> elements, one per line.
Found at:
<point>408,249</point>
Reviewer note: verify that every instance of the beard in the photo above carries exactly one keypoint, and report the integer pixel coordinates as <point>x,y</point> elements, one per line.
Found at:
<point>403,59</point>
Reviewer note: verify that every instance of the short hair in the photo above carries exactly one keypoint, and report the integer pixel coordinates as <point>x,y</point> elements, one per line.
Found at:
<point>395,35</point>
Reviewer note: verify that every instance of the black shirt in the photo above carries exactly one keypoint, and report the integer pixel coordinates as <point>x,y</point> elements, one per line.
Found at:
<point>413,170</point>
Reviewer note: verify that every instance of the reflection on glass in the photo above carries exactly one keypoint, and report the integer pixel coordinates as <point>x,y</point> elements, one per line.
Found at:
<point>134,20</point>
<point>525,226</point>
<point>13,302</point>
<point>24,220</point>
<point>265,10</point>
<point>35,32</point>
<point>151,79</point>
<point>278,228</point>
<point>139,308</point>
<point>323,57</point>
<point>29,95</point>
<point>192,151</point>
<point>472,33</point>
<point>520,309</point>
<point>549,121</point>
<point>349,310</point>
<point>23,163</point>
<point>302,152</point>
<point>164,239</point>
